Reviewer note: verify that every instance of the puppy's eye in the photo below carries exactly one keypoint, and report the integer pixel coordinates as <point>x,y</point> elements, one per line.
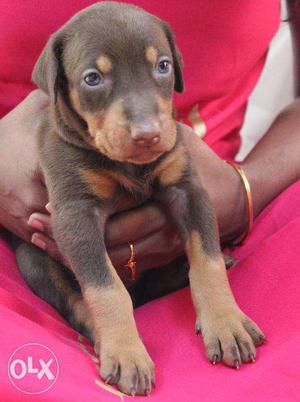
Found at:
<point>163,66</point>
<point>92,78</point>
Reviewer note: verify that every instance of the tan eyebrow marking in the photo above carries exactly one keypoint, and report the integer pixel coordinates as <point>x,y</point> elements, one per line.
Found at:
<point>104,63</point>
<point>151,54</point>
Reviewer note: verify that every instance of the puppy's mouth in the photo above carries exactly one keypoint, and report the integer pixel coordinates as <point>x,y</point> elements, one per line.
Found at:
<point>127,152</point>
<point>147,156</point>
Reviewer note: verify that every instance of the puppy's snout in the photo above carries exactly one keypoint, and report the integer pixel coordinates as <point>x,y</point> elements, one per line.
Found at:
<point>146,135</point>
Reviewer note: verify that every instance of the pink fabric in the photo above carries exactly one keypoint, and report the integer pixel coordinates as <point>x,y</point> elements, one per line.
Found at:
<point>266,283</point>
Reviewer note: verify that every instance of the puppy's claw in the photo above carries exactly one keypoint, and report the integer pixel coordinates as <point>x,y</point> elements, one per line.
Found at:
<point>237,364</point>
<point>252,357</point>
<point>108,379</point>
<point>262,339</point>
<point>132,391</point>
<point>215,359</point>
<point>197,329</point>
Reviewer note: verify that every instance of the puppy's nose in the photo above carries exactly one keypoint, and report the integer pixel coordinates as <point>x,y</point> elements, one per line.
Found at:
<point>145,135</point>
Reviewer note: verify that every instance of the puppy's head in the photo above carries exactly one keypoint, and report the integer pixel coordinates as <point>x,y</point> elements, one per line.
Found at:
<point>111,71</point>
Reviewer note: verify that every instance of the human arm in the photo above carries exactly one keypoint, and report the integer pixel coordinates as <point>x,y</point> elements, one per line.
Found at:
<point>22,190</point>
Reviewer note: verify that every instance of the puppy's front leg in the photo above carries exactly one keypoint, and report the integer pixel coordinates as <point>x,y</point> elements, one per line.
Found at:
<point>228,334</point>
<point>124,359</point>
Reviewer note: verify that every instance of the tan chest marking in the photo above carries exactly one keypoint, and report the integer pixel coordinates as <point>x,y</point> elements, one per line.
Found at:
<point>171,169</point>
<point>100,182</point>
<point>105,183</point>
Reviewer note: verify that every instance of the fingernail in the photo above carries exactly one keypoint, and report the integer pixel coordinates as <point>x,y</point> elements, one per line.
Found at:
<point>36,224</point>
<point>38,242</point>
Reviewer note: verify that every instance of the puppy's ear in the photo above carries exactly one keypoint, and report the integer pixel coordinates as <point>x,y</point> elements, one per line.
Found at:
<point>177,59</point>
<point>48,71</point>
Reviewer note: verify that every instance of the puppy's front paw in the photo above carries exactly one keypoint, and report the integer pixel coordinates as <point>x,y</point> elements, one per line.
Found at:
<point>127,364</point>
<point>230,336</point>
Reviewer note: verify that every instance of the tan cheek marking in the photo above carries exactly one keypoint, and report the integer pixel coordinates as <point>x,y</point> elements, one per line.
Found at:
<point>108,129</point>
<point>110,137</point>
<point>167,120</point>
<point>151,55</point>
<point>165,105</point>
<point>75,101</point>
<point>94,122</point>
<point>171,169</point>
<point>101,183</point>
<point>114,116</point>
<point>104,64</point>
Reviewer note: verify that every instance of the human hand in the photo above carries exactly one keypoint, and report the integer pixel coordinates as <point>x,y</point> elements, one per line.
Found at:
<point>22,190</point>
<point>155,240</point>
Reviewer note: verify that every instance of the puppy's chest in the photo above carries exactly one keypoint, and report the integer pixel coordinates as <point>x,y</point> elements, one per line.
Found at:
<point>112,185</point>
<point>138,181</point>
<point>139,186</point>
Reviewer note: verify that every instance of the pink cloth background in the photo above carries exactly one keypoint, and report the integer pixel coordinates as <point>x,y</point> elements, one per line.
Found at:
<point>266,283</point>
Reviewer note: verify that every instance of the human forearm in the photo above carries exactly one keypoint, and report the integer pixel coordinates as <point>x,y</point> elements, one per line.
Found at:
<point>21,187</point>
<point>270,167</point>
<point>274,162</point>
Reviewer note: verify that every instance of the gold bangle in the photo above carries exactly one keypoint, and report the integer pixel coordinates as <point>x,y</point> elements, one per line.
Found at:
<point>249,198</point>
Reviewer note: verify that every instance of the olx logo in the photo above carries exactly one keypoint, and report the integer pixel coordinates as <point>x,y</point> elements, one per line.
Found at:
<point>33,368</point>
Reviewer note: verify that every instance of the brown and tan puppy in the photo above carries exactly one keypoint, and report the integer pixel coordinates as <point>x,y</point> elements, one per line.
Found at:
<point>110,133</point>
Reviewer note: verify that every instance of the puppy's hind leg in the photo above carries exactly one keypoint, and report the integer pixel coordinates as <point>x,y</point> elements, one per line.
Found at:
<point>55,284</point>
